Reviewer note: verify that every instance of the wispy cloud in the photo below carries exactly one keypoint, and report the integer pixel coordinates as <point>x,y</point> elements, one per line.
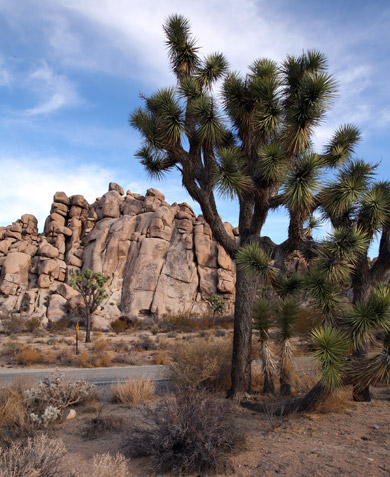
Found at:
<point>5,74</point>
<point>28,185</point>
<point>56,91</point>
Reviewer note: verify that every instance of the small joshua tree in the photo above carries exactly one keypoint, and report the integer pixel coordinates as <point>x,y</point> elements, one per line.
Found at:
<point>91,286</point>
<point>216,303</point>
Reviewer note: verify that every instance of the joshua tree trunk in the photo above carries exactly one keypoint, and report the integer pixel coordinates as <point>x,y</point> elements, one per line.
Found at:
<point>246,287</point>
<point>307,403</point>
<point>87,326</point>
<point>285,380</point>
<point>269,385</point>
<point>268,368</point>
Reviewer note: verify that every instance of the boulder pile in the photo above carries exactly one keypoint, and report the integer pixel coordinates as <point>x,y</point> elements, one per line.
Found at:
<point>160,258</point>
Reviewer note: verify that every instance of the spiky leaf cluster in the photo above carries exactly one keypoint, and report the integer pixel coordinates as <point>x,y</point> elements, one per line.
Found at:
<point>262,318</point>
<point>332,345</point>
<point>253,259</point>
<point>286,316</point>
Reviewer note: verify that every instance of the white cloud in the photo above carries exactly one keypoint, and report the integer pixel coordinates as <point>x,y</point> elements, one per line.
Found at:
<point>28,185</point>
<point>56,91</point>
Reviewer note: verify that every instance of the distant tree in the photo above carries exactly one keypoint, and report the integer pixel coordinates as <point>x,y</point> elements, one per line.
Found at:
<point>217,304</point>
<point>91,286</point>
<point>263,157</point>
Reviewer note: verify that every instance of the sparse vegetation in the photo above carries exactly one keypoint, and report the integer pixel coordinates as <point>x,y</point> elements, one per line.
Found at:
<point>39,456</point>
<point>201,364</point>
<point>28,356</point>
<point>189,432</point>
<point>105,465</point>
<point>133,392</point>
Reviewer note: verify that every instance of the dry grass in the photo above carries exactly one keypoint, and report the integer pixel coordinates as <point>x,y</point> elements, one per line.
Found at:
<point>14,418</point>
<point>38,457</point>
<point>133,392</point>
<point>94,360</point>
<point>337,402</point>
<point>160,358</point>
<point>104,465</point>
<point>102,424</point>
<point>28,356</point>
<point>202,364</point>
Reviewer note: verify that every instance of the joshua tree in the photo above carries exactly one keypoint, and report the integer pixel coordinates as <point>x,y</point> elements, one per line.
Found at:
<point>262,156</point>
<point>262,323</point>
<point>346,326</point>
<point>287,315</point>
<point>92,288</point>
<point>217,304</point>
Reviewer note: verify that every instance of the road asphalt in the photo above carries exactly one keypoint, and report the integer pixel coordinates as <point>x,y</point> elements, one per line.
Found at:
<point>98,376</point>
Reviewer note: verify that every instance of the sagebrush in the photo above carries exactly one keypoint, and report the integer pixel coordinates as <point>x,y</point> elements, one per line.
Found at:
<point>190,432</point>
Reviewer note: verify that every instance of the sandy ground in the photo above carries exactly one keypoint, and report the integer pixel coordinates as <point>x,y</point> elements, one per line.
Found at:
<point>342,438</point>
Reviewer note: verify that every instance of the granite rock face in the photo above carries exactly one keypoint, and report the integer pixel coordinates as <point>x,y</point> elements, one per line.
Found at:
<point>160,258</point>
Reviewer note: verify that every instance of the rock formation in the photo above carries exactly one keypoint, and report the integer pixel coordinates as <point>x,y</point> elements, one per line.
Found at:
<point>161,258</point>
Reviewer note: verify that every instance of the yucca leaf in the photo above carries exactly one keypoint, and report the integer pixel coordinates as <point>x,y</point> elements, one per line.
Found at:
<point>253,259</point>
<point>342,145</point>
<point>300,185</point>
<point>262,318</point>
<point>230,179</point>
<point>332,346</point>
<point>213,68</point>
<point>272,163</point>
<point>181,45</point>
<point>371,371</point>
<point>375,207</point>
<point>189,87</point>
<point>324,293</point>
<point>286,316</point>
<point>210,127</point>
<point>155,163</point>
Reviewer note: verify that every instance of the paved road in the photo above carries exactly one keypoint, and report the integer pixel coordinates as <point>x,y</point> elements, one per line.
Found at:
<point>99,376</point>
<point>106,376</point>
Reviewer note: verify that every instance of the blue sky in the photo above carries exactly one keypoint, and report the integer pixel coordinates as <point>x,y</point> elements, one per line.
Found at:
<point>71,72</point>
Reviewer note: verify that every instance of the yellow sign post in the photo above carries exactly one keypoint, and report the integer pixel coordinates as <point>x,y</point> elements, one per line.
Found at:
<point>77,337</point>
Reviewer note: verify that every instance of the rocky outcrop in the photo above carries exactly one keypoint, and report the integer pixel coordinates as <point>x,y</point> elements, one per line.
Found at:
<point>160,258</point>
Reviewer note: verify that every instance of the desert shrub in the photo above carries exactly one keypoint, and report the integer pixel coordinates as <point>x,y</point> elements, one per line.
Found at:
<point>104,465</point>
<point>160,358</point>
<point>102,360</point>
<point>219,332</point>
<point>14,419</point>
<point>145,342</point>
<point>12,348</point>
<point>191,432</point>
<point>101,345</point>
<point>127,358</point>
<point>184,322</point>
<point>60,326</point>
<point>101,424</point>
<point>133,392</point>
<point>39,332</point>
<point>33,324</point>
<point>202,364</point>
<point>94,360</point>
<point>119,326</point>
<point>13,324</point>
<point>85,360</point>
<point>28,356</point>
<point>46,401</point>
<point>121,346</point>
<point>39,456</point>
<point>65,357</point>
